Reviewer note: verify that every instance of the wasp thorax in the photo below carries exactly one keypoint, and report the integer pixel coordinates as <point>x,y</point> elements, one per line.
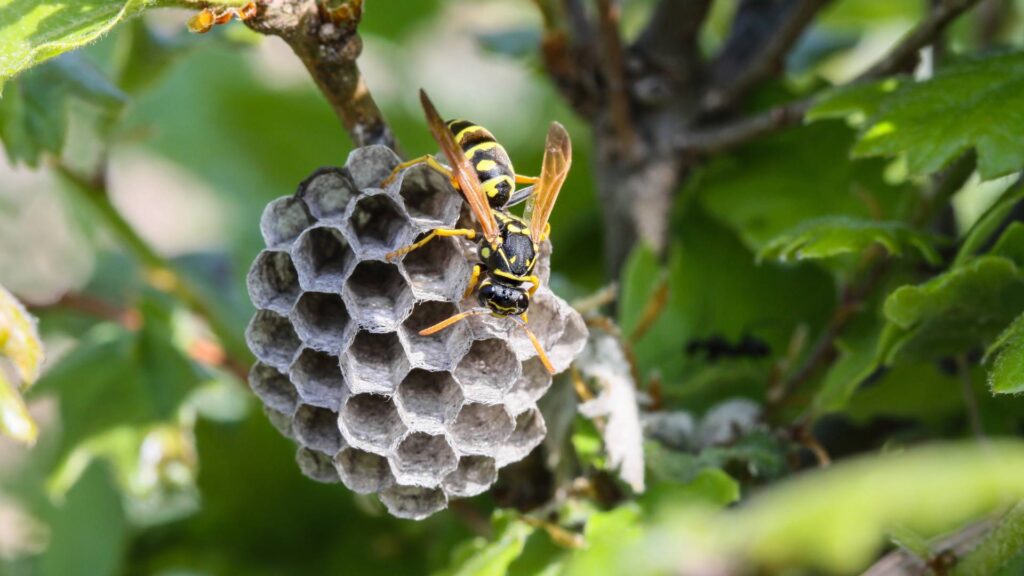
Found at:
<point>342,368</point>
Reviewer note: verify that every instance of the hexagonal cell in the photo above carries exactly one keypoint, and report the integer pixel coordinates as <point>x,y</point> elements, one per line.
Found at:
<point>379,298</point>
<point>532,383</point>
<point>374,363</point>
<point>273,388</point>
<point>318,379</point>
<point>272,339</point>
<point>322,321</point>
<point>438,270</point>
<point>429,197</point>
<point>570,343</point>
<point>545,320</point>
<point>487,371</point>
<point>317,428</point>
<point>529,432</point>
<point>423,460</point>
<point>428,401</point>
<point>481,428</point>
<point>273,282</point>
<point>323,259</point>
<point>283,220</point>
<point>474,475</point>
<point>369,165</point>
<point>327,193</point>
<point>363,472</point>
<point>316,465</point>
<point>413,502</point>
<point>280,421</point>
<point>378,226</point>
<point>370,422</point>
<point>439,350</point>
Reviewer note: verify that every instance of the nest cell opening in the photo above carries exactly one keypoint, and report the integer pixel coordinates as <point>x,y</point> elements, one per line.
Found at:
<point>375,363</point>
<point>316,465</point>
<point>363,472</point>
<point>430,400</point>
<point>380,297</point>
<point>318,379</point>
<point>273,282</point>
<point>327,193</point>
<point>474,475</point>
<point>378,225</point>
<point>283,220</point>
<point>321,320</point>
<point>413,502</point>
<point>369,165</point>
<point>435,352</point>
<point>529,432</point>
<point>481,428</point>
<point>428,196</point>
<point>317,428</point>
<point>272,339</point>
<point>438,269</point>
<point>423,460</point>
<point>323,259</point>
<point>488,370</point>
<point>371,422</point>
<point>273,388</point>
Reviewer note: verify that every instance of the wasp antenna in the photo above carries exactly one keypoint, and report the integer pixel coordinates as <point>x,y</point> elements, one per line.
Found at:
<point>540,349</point>
<point>449,321</point>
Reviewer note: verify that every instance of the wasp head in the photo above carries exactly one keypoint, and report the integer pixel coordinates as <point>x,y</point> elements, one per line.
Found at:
<point>503,300</point>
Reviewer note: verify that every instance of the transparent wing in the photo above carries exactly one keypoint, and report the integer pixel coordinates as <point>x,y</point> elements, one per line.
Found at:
<point>557,159</point>
<point>463,173</point>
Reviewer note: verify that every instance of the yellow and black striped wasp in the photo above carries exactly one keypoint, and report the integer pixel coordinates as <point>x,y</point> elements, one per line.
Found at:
<point>508,244</point>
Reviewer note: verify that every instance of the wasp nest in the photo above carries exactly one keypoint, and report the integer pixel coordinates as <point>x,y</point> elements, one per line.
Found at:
<point>342,369</point>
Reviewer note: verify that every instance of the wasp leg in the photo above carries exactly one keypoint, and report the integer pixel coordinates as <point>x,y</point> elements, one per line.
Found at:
<point>473,279</point>
<point>428,160</point>
<point>440,232</point>
<point>536,284</point>
<point>520,179</point>
<point>547,231</point>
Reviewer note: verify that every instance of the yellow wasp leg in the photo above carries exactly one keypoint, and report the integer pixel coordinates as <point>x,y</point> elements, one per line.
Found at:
<point>520,179</point>
<point>440,232</point>
<point>472,281</point>
<point>536,284</point>
<point>547,231</point>
<point>428,160</point>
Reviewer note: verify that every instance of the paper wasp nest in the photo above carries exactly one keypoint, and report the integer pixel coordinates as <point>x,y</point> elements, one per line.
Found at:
<point>342,370</point>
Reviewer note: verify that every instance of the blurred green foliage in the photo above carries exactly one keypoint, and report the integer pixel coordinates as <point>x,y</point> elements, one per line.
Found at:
<point>152,459</point>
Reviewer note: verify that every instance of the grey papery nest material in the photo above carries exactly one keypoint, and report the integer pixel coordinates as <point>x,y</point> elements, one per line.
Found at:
<point>342,370</point>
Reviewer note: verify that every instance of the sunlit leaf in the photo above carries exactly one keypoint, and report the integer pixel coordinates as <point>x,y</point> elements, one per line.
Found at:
<point>1007,374</point>
<point>484,558</point>
<point>839,235</point>
<point>15,421</point>
<point>19,339</point>
<point>964,307</point>
<point>968,104</point>
<point>999,548</point>
<point>989,223</point>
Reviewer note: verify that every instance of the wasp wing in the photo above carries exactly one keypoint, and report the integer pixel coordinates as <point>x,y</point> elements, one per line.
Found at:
<point>557,159</point>
<point>462,172</point>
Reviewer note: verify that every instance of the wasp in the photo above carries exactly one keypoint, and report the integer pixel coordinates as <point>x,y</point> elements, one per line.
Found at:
<point>481,170</point>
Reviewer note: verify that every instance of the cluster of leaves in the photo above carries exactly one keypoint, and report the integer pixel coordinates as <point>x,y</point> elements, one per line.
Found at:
<point>815,296</point>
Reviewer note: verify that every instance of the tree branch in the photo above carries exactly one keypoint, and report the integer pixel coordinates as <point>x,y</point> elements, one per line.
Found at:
<point>727,135</point>
<point>763,44</point>
<point>668,44</point>
<point>569,54</point>
<point>328,44</point>
<point>614,67</point>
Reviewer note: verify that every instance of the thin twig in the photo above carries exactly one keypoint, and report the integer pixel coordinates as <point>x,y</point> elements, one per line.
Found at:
<point>614,66</point>
<point>728,135</point>
<point>328,44</point>
<point>767,61</point>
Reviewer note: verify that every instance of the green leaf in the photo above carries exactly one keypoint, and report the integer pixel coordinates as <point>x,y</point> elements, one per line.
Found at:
<point>34,31</point>
<point>835,519</point>
<point>989,223</point>
<point>759,454</point>
<point>777,183</point>
<point>858,359</point>
<point>968,104</point>
<point>483,558</point>
<point>97,550</point>
<point>854,102</point>
<point>838,235</point>
<point>1007,374</point>
<point>606,534</point>
<point>999,548</point>
<point>1011,244</point>
<point>964,307</point>
<point>34,110</point>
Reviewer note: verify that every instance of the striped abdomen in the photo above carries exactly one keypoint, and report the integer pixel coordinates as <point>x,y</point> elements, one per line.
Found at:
<point>492,164</point>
